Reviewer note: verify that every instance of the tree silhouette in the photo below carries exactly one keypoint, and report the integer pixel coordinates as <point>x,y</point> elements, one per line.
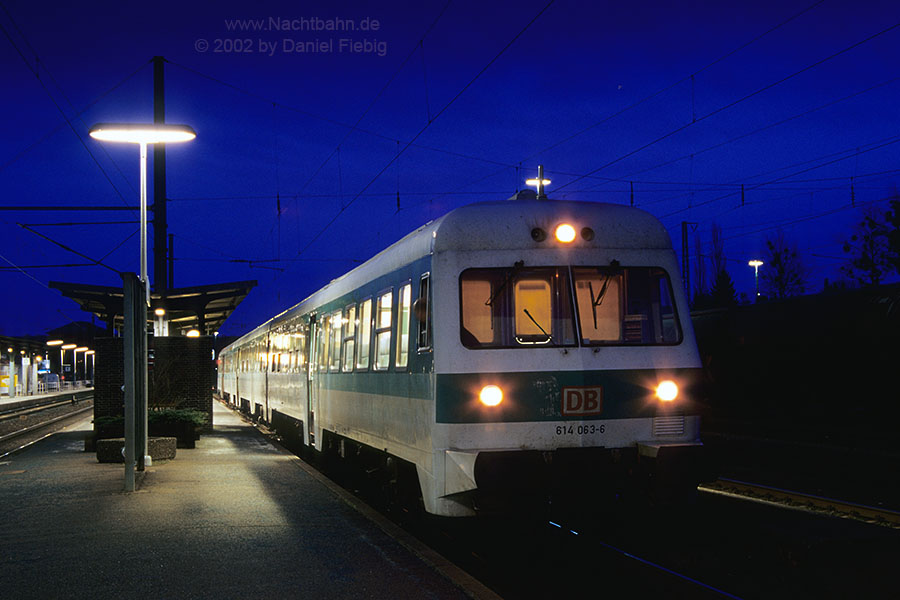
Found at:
<point>869,249</point>
<point>782,274</point>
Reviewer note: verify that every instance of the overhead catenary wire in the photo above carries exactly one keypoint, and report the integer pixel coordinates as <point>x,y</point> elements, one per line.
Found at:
<point>427,125</point>
<point>733,103</point>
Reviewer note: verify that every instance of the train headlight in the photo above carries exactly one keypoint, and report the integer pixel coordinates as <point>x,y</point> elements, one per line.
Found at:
<point>667,390</point>
<point>491,395</point>
<point>565,233</point>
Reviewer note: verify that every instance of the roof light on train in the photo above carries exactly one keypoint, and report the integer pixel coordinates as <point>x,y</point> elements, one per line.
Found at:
<point>565,233</point>
<point>538,234</point>
<point>491,395</point>
<point>667,390</point>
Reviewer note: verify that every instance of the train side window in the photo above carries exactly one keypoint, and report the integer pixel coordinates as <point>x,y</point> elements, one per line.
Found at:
<point>334,352</point>
<point>383,331</point>
<point>404,302</point>
<point>477,317</point>
<point>349,338</point>
<point>322,345</point>
<point>365,334</point>
<point>422,313</point>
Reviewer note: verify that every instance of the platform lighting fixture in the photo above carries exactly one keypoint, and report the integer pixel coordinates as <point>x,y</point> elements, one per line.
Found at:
<point>159,312</point>
<point>756,264</point>
<point>55,343</point>
<point>193,333</point>
<point>142,134</point>
<point>68,346</point>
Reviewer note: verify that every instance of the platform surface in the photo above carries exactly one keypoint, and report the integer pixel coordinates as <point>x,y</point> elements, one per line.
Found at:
<point>234,518</point>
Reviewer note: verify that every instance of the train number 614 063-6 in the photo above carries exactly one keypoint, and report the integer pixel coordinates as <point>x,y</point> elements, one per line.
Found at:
<point>580,429</point>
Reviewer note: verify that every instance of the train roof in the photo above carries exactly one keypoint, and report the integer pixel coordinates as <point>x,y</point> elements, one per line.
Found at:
<point>508,225</point>
<point>494,226</point>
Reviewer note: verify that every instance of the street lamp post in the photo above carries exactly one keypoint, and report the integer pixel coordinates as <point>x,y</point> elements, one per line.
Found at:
<point>142,134</point>
<point>756,264</point>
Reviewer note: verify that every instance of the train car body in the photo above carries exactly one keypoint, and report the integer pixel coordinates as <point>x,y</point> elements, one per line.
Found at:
<point>493,354</point>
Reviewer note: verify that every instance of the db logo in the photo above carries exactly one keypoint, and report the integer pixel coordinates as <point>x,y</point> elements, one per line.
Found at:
<point>582,401</point>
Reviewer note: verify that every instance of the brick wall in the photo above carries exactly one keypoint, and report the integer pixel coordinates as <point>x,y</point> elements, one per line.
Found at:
<point>109,377</point>
<point>182,375</point>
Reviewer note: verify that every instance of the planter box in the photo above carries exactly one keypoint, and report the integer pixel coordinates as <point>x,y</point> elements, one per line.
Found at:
<point>110,450</point>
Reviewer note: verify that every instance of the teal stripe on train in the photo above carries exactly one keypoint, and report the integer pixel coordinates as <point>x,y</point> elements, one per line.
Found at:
<point>539,396</point>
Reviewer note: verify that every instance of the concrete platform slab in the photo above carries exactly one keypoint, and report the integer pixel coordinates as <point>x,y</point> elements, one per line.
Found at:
<point>233,518</point>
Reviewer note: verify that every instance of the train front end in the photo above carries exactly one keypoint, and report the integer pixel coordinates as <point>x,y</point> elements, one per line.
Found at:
<point>564,358</point>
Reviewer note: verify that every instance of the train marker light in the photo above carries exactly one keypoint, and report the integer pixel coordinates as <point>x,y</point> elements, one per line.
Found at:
<point>667,391</point>
<point>538,234</point>
<point>565,233</point>
<point>491,395</point>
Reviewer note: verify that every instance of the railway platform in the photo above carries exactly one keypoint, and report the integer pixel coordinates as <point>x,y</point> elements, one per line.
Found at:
<point>236,517</point>
<point>21,401</point>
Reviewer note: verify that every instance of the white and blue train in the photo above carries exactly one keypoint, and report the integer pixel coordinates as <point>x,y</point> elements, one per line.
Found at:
<point>504,348</point>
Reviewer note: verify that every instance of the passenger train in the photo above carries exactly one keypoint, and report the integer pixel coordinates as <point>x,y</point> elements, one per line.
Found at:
<point>506,348</point>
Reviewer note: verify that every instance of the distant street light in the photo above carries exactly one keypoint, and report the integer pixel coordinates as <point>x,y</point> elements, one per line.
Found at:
<point>756,264</point>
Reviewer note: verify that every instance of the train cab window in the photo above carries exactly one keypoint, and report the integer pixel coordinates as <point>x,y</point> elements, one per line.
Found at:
<point>477,317</point>
<point>630,305</point>
<point>533,311</point>
<point>516,307</point>
<point>364,334</point>
<point>349,338</point>
<point>334,350</point>
<point>599,304</point>
<point>422,313</point>
<point>383,331</point>
<point>404,301</point>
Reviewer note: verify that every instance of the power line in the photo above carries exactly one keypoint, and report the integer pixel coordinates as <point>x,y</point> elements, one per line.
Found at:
<point>732,104</point>
<point>427,125</point>
<point>35,71</point>
<point>753,132</point>
<point>662,90</point>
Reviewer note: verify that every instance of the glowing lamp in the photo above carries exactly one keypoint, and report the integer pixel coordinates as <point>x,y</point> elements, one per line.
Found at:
<point>81,349</point>
<point>55,343</point>
<point>565,233</point>
<point>142,133</point>
<point>159,312</point>
<point>69,346</point>
<point>491,395</point>
<point>667,390</point>
<point>193,333</point>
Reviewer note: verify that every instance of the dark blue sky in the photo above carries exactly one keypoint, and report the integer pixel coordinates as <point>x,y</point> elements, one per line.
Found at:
<point>591,89</point>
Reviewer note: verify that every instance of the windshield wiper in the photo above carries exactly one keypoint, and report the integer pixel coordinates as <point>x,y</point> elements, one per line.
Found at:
<point>512,272</point>
<point>549,337</point>
<point>599,299</point>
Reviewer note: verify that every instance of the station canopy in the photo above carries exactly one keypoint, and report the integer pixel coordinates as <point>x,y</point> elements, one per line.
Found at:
<point>202,307</point>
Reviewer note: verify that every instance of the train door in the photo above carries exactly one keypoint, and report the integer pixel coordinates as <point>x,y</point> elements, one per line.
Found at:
<point>311,379</point>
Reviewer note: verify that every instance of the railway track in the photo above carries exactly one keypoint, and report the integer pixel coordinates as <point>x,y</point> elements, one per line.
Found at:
<point>741,540</point>
<point>801,501</point>
<point>29,422</point>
